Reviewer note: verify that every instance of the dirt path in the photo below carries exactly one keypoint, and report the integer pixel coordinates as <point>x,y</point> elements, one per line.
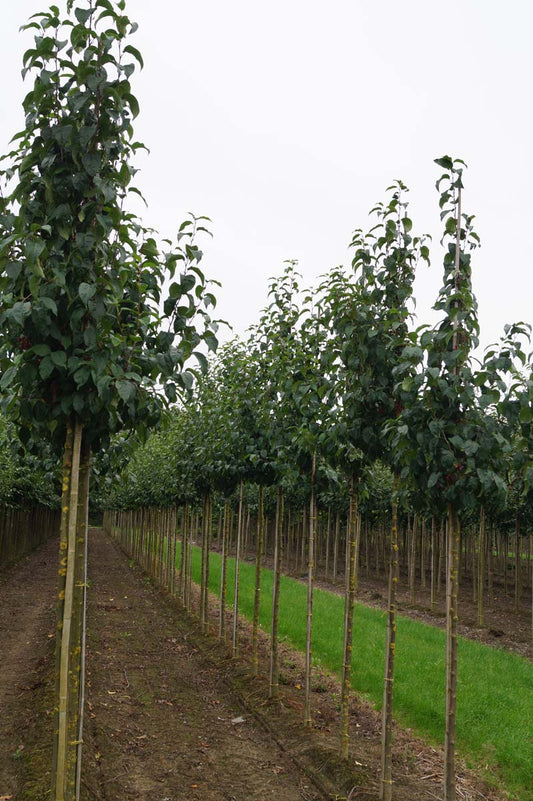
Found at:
<point>27,624</point>
<point>163,722</point>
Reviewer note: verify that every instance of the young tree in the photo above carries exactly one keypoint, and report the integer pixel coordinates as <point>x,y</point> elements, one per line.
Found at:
<point>445,446</point>
<point>84,346</point>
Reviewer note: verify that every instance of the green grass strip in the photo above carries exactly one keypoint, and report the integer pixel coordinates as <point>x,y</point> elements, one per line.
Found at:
<point>495,687</point>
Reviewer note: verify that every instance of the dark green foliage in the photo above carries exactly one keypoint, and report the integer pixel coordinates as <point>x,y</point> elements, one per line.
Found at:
<point>80,277</point>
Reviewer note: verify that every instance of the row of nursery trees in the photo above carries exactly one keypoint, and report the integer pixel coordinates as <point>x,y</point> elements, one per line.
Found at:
<point>332,400</point>
<point>90,340</point>
<point>29,498</point>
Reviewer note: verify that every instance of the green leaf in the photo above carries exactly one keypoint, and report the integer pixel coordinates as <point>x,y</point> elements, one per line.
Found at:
<point>133,103</point>
<point>59,358</point>
<point>86,292</point>
<point>526,414</point>
<point>82,14</point>
<point>204,364</point>
<point>82,376</point>
<point>445,161</point>
<point>8,377</point>
<point>126,390</point>
<point>48,303</point>
<point>46,367</point>
<point>92,163</point>
<point>451,225</point>
<point>33,249</point>
<point>135,53</point>
<point>41,350</point>
<point>433,479</point>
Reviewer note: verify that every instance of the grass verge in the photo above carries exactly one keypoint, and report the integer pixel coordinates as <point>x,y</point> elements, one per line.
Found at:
<point>495,687</point>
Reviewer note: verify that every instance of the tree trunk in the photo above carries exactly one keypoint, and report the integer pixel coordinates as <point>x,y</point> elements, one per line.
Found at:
<point>224,536</point>
<point>257,592</point>
<point>481,570</point>
<point>351,581</point>
<point>454,534</point>
<point>517,564</point>
<point>235,643</point>
<point>310,581</point>
<point>434,566</point>
<point>70,646</point>
<point>388,689</point>
<point>274,644</point>
<point>83,541</point>
<point>412,560</point>
<point>336,545</point>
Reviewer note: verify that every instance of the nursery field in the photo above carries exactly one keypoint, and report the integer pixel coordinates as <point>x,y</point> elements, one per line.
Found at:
<point>495,688</point>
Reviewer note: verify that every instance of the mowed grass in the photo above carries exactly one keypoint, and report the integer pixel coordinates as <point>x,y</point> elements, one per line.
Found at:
<point>495,688</point>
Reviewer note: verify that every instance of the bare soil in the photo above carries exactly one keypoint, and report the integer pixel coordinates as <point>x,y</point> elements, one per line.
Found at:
<point>27,635</point>
<point>170,715</point>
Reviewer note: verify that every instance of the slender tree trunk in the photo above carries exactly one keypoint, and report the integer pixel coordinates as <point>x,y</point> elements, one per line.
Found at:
<point>62,576</point>
<point>328,537</point>
<point>481,570</point>
<point>336,545</point>
<point>351,582</point>
<point>388,690</point>
<point>257,592</point>
<point>274,643</point>
<point>208,523</point>
<point>517,564</point>
<point>66,751</point>
<point>434,565</point>
<point>224,536</point>
<point>310,582</point>
<point>83,541</point>
<point>454,533</point>
<point>423,582</point>
<point>235,639</point>
<point>412,561</point>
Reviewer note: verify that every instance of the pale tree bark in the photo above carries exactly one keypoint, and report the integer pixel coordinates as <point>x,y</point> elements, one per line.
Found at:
<point>224,534</point>
<point>388,689</point>
<point>454,534</point>
<point>351,584</point>
<point>235,639</point>
<point>257,591</point>
<point>310,583</point>
<point>274,641</point>
<point>482,545</point>
<point>68,702</point>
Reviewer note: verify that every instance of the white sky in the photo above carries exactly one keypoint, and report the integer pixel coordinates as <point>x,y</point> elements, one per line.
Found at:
<point>285,121</point>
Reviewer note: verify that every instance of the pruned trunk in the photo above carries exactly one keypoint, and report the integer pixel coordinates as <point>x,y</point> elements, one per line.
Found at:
<point>351,582</point>
<point>388,689</point>
<point>274,643</point>
<point>481,570</point>
<point>235,641</point>
<point>64,773</point>
<point>224,534</point>
<point>310,582</point>
<point>454,533</point>
<point>257,591</point>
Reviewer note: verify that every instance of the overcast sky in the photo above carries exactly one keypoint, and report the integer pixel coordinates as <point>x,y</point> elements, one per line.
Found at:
<point>285,121</point>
